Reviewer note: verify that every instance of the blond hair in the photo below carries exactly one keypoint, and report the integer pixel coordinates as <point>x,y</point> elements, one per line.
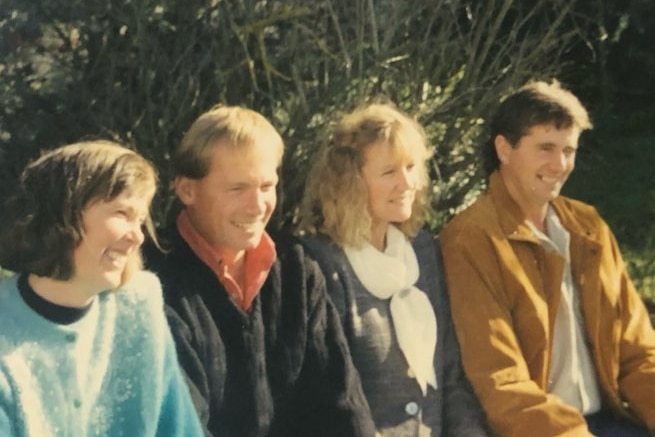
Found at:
<point>336,198</point>
<point>235,126</point>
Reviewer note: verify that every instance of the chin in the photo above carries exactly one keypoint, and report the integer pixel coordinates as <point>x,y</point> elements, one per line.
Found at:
<point>253,241</point>
<point>133,264</point>
<point>552,195</point>
<point>402,218</point>
<point>110,282</point>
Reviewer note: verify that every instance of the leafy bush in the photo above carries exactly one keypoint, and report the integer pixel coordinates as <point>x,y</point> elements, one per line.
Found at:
<point>140,71</point>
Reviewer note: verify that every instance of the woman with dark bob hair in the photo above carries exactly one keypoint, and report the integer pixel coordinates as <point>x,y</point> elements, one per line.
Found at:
<point>85,348</point>
<point>365,203</point>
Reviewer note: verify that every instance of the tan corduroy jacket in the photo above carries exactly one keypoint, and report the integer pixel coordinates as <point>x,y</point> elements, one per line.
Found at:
<point>505,291</point>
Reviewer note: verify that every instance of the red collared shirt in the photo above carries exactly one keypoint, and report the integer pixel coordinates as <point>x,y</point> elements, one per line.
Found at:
<point>258,262</point>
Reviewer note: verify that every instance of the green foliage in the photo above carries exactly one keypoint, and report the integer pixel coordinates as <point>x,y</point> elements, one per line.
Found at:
<point>614,173</point>
<point>140,71</point>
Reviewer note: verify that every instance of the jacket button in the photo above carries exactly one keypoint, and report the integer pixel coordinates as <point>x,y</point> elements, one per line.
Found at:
<point>411,408</point>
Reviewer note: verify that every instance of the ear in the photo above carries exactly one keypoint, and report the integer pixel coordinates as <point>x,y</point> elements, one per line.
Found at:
<point>503,148</point>
<point>185,190</point>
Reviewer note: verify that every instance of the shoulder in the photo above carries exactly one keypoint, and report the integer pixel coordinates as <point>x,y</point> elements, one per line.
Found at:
<point>138,308</point>
<point>323,250</point>
<point>13,316</point>
<point>477,218</point>
<point>296,271</point>
<point>13,312</point>
<point>173,253</point>
<point>142,289</point>
<point>8,289</point>
<point>314,243</point>
<point>424,244</point>
<point>294,257</point>
<point>576,212</point>
<point>428,252</point>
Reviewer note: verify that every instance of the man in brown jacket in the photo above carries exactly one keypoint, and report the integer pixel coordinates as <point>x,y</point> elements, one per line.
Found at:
<point>555,339</point>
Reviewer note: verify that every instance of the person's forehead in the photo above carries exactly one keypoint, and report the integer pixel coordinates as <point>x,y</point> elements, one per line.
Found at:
<point>550,129</point>
<point>244,162</point>
<point>264,147</point>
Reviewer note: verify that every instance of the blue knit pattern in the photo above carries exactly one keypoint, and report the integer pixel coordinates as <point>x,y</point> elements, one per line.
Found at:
<point>112,373</point>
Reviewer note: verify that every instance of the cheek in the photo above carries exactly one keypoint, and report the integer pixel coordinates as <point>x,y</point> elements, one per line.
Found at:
<point>376,202</point>
<point>375,192</point>
<point>115,230</point>
<point>271,199</point>
<point>415,181</point>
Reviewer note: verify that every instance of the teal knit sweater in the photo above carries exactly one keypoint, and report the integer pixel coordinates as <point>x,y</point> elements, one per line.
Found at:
<point>114,372</point>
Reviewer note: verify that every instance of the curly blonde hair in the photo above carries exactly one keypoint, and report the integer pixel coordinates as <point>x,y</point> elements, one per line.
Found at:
<point>335,202</point>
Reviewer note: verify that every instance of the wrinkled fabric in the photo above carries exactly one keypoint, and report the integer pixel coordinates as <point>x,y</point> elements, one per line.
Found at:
<point>114,372</point>
<point>282,369</point>
<point>391,275</point>
<point>397,404</point>
<point>505,290</point>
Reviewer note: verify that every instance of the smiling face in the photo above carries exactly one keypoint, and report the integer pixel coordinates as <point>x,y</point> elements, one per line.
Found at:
<point>109,249</point>
<point>391,181</point>
<point>535,169</point>
<point>231,206</point>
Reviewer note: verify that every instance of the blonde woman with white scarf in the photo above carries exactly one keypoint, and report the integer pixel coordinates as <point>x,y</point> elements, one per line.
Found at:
<point>364,205</point>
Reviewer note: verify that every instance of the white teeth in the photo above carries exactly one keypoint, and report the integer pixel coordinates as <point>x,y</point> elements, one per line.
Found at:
<point>242,225</point>
<point>116,257</point>
<point>548,180</point>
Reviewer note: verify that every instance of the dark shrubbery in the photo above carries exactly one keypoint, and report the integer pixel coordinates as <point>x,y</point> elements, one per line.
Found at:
<point>139,71</point>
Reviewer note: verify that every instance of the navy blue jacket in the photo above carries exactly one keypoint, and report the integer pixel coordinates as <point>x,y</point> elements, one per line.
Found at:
<point>450,410</point>
<point>283,369</point>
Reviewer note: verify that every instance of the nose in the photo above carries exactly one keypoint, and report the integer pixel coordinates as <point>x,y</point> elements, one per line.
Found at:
<point>405,179</point>
<point>136,234</point>
<point>559,161</point>
<point>257,202</point>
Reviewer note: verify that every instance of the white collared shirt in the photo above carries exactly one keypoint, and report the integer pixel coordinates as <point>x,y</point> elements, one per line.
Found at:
<point>572,376</point>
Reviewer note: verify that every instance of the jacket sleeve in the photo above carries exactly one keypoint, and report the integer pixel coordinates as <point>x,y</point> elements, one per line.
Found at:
<point>491,354</point>
<point>192,368</point>
<point>637,345</point>
<point>178,416</point>
<point>340,407</point>
<point>8,408</point>
<point>463,415</point>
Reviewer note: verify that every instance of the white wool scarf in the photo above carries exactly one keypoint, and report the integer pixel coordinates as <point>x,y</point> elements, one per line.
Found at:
<point>391,275</point>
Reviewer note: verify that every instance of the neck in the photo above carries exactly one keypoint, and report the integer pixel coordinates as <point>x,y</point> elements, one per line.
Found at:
<point>231,258</point>
<point>538,219</point>
<point>379,236</point>
<point>64,293</point>
<point>234,261</point>
<point>534,212</point>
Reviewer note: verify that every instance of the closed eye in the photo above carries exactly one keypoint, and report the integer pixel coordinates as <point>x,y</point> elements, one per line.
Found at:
<point>570,151</point>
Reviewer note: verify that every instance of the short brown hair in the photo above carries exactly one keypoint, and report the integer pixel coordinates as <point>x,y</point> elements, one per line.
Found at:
<point>535,103</point>
<point>42,221</point>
